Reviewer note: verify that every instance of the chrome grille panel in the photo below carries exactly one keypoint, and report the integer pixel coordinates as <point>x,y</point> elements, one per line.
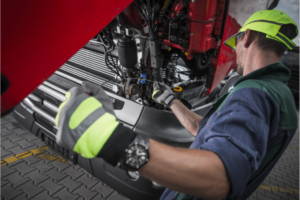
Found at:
<point>92,60</point>
<point>92,78</point>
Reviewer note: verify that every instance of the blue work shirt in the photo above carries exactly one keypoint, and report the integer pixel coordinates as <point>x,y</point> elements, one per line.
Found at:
<point>246,130</point>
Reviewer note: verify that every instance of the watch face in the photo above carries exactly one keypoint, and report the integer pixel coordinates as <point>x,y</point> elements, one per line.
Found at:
<point>136,155</point>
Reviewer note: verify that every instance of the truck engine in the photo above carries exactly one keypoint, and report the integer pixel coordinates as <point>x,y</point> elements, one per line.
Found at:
<point>161,41</point>
<point>175,42</point>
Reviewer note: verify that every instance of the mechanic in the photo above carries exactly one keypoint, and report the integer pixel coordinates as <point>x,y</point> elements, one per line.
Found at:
<point>237,142</point>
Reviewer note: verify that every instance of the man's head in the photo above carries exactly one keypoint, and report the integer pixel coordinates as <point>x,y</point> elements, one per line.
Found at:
<point>269,32</point>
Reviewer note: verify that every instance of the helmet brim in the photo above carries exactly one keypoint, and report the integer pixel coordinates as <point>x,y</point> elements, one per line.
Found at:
<point>231,41</point>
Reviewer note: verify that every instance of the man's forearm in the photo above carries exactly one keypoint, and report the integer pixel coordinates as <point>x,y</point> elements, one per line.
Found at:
<point>194,172</point>
<point>187,118</point>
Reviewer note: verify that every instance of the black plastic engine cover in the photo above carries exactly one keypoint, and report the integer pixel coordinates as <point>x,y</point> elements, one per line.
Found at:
<point>163,126</point>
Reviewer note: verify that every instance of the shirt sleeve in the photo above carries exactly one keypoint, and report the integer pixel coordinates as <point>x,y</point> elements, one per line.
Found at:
<point>240,133</point>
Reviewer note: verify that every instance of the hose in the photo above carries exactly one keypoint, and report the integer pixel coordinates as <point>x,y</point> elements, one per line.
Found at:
<point>199,64</point>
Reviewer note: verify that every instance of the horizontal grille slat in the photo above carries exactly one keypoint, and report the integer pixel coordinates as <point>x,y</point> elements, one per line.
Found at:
<point>86,57</point>
<point>92,60</point>
<point>85,76</point>
<point>96,67</point>
<point>61,82</point>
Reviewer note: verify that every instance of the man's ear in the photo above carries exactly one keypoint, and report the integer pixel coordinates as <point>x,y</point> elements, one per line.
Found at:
<point>249,38</point>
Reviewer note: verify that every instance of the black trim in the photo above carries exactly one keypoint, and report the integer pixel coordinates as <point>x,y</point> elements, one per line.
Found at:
<point>4,84</point>
<point>271,22</point>
<point>225,17</point>
<point>114,148</point>
<point>285,40</point>
<point>169,104</point>
<point>171,99</point>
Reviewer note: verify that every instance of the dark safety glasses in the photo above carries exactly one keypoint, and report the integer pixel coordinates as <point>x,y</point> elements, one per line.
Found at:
<point>238,36</point>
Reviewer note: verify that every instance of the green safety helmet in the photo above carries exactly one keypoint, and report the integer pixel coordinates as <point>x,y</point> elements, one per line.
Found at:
<point>268,22</point>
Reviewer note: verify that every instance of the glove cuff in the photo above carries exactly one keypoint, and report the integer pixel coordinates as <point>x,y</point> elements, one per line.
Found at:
<point>114,148</point>
<point>169,99</point>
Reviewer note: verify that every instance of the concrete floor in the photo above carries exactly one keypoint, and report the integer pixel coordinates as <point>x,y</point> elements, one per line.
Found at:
<point>30,170</point>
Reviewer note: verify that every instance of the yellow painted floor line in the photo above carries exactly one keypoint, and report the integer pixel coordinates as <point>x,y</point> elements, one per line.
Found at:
<point>294,147</point>
<point>51,157</point>
<point>25,154</point>
<point>278,189</point>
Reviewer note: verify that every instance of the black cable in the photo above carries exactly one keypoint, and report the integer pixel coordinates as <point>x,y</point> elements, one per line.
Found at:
<point>165,16</point>
<point>145,17</point>
<point>140,12</point>
<point>107,53</point>
<point>106,60</point>
<point>149,13</point>
<point>141,9</point>
<point>205,21</point>
<point>169,11</point>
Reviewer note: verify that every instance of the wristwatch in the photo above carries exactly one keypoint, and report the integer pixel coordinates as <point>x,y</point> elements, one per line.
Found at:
<point>137,153</point>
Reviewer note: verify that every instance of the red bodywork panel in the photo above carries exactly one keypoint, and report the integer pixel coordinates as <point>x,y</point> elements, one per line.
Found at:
<point>200,34</point>
<point>40,36</point>
<point>201,39</point>
<point>226,57</point>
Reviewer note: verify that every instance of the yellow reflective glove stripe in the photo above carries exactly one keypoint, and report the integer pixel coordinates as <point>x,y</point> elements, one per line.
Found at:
<point>92,140</point>
<point>87,106</point>
<point>67,95</point>
<point>154,93</point>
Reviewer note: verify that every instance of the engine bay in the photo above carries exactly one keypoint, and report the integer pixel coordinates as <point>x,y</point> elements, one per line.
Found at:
<point>155,41</point>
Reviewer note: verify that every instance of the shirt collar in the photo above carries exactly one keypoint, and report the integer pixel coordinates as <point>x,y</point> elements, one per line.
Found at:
<point>276,71</point>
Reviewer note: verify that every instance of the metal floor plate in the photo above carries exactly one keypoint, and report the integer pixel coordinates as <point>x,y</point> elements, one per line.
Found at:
<point>30,170</point>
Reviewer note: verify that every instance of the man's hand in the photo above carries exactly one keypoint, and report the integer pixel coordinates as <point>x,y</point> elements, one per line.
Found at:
<point>87,125</point>
<point>162,93</point>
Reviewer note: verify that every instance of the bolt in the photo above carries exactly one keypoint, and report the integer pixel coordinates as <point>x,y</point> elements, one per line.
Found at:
<point>174,25</point>
<point>182,29</point>
<point>173,38</point>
